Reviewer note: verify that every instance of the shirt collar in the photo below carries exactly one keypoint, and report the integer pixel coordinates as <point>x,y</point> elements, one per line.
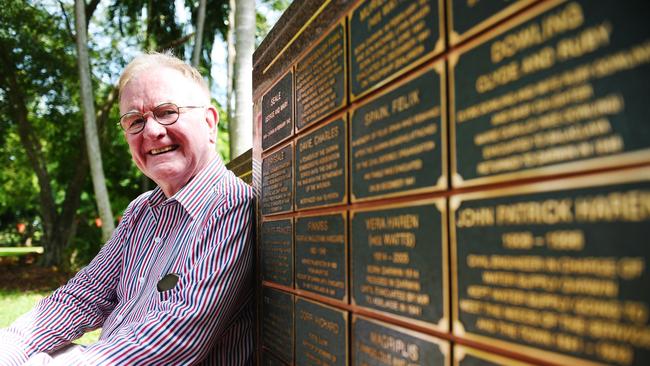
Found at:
<point>193,194</point>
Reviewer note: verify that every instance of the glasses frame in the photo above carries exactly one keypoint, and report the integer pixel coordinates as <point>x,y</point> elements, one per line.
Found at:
<point>119,122</point>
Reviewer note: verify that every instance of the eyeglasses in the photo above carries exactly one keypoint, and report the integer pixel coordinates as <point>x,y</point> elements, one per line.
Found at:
<point>165,114</point>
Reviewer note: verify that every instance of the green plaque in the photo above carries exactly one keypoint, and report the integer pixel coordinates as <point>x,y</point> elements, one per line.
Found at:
<point>562,90</point>
<point>322,334</point>
<point>277,323</point>
<point>557,269</point>
<point>321,166</point>
<point>277,181</point>
<point>276,241</point>
<point>277,112</point>
<point>320,79</point>
<point>466,18</point>
<point>467,356</point>
<point>399,263</point>
<point>398,140</point>
<point>379,343</point>
<point>390,37</point>
<point>321,255</point>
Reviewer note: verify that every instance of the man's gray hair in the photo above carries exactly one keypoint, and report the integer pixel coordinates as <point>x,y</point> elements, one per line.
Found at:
<point>167,59</point>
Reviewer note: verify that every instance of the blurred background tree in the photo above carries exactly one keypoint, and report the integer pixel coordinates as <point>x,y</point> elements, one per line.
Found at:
<point>46,195</point>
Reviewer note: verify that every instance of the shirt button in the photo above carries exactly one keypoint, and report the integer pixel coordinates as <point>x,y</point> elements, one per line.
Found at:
<point>141,279</point>
<point>119,318</point>
<point>156,240</point>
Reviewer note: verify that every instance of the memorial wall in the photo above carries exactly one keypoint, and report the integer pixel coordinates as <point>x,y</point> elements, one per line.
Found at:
<point>454,183</point>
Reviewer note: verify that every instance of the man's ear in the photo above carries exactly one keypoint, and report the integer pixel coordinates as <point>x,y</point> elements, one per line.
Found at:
<point>212,119</point>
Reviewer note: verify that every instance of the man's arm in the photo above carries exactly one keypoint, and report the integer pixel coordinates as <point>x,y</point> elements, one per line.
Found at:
<point>80,305</point>
<point>197,312</point>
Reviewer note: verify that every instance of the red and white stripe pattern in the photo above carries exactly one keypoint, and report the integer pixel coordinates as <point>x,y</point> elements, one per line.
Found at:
<point>202,234</point>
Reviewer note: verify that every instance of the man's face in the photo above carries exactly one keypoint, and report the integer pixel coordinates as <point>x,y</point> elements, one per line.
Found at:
<point>170,155</point>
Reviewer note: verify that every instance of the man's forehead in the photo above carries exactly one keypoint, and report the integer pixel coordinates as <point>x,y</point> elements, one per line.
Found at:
<point>159,85</point>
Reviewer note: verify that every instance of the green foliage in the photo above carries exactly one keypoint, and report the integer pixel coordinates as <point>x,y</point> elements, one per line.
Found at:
<point>223,138</point>
<point>216,13</point>
<point>38,71</point>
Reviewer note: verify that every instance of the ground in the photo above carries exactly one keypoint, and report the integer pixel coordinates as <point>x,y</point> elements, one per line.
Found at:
<point>22,285</point>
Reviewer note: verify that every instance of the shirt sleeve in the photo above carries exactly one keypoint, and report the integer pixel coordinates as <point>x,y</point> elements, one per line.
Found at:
<point>198,311</point>
<point>75,308</point>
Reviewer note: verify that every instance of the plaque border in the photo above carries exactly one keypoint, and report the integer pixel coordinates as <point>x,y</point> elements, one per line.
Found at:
<point>438,48</point>
<point>442,182</point>
<point>346,319</point>
<point>293,327</point>
<point>635,175</point>
<point>444,323</point>
<point>346,259</point>
<point>344,100</point>
<point>443,345</point>
<point>456,38</point>
<point>293,157</point>
<point>597,162</point>
<point>293,245</point>
<point>460,351</point>
<point>293,110</point>
<point>346,162</point>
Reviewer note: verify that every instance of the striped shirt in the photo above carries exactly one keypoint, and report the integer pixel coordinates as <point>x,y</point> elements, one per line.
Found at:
<point>202,234</point>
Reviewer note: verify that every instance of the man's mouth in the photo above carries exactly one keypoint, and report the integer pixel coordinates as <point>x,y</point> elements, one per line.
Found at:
<point>163,150</point>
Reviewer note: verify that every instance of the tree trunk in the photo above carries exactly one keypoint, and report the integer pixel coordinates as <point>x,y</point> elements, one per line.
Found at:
<point>230,44</point>
<point>242,128</point>
<point>198,42</point>
<point>90,124</point>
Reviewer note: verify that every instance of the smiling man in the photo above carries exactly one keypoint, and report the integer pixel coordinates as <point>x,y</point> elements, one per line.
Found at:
<point>173,285</point>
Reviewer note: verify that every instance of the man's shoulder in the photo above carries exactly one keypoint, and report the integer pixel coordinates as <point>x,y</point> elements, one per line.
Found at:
<point>233,188</point>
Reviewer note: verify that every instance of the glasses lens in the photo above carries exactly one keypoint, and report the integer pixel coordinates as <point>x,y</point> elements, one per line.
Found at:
<point>166,113</point>
<point>132,122</point>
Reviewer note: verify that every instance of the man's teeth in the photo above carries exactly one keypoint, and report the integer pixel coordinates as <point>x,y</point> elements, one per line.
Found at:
<point>161,150</point>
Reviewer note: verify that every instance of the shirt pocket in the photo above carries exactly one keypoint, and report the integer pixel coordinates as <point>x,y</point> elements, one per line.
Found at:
<point>168,286</point>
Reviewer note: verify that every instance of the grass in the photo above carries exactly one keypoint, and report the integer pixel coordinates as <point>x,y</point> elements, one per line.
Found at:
<point>17,251</point>
<point>14,303</point>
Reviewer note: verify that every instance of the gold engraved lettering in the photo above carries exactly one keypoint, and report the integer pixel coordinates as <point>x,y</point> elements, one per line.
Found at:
<point>319,225</point>
<point>526,213</point>
<point>409,351</point>
<point>470,217</point>
<point>568,18</point>
<point>376,115</point>
<point>317,76</point>
<point>630,206</point>
<point>390,46</point>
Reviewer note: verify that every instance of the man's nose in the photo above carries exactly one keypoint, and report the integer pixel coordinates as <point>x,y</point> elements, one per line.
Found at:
<point>153,129</point>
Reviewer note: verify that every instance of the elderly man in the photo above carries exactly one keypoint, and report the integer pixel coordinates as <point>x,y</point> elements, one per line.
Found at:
<point>173,284</point>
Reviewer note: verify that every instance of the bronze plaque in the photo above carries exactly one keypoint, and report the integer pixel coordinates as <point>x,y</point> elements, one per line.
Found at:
<point>556,269</point>
<point>320,79</point>
<point>562,90</point>
<point>399,261</point>
<point>321,255</point>
<point>322,337</point>
<point>468,17</point>
<point>277,323</point>
<point>276,241</point>
<point>277,181</point>
<point>389,37</point>
<point>277,112</point>
<point>321,166</point>
<point>379,343</point>
<point>398,140</point>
